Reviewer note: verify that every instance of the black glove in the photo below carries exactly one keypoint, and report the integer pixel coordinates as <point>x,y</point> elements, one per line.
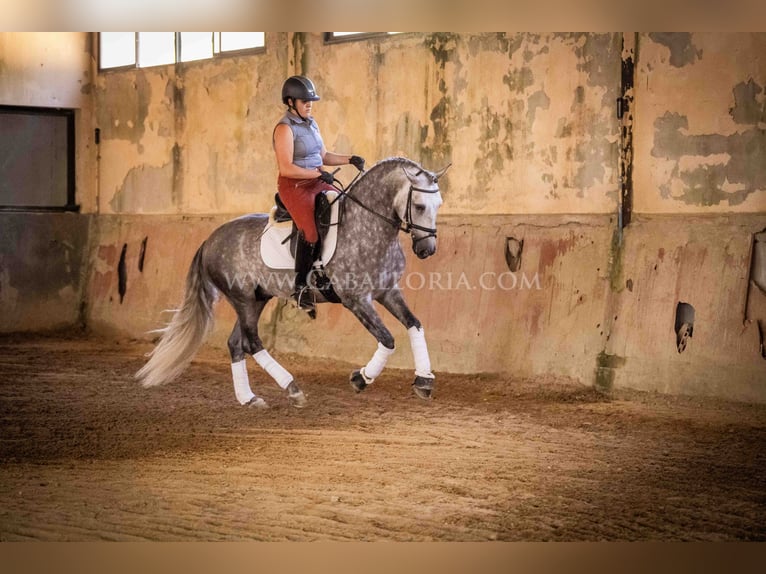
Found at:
<point>357,162</point>
<point>326,177</point>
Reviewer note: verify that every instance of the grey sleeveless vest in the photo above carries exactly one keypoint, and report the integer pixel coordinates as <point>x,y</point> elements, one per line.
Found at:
<point>307,148</point>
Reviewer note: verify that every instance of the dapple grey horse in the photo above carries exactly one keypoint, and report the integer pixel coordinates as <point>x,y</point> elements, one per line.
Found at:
<point>394,195</point>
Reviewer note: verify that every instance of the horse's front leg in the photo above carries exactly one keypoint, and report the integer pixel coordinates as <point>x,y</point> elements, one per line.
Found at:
<point>363,310</point>
<point>394,302</point>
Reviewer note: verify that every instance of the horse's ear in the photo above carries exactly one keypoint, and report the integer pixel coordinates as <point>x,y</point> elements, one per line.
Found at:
<point>441,172</point>
<point>411,176</point>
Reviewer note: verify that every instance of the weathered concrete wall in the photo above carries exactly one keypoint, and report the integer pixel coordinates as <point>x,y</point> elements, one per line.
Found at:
<point>45,69</point>
<point>524,137</point>
<point>191,138</point>
<point>480,316</point>
<point>699,148</point>
<point>43,257</point>
<point>529,123</point>
<point>578,305</point>
<point>55,70</point>
<point>43,270</point>
<point>527,119</point>
<point>699,132</point>
<point>138,267</point>
<point>704,263</point>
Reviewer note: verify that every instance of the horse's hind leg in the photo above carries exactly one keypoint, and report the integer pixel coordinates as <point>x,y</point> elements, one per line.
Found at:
<point>242,390</point>
<point>394,302</point>
<point>245,340</point>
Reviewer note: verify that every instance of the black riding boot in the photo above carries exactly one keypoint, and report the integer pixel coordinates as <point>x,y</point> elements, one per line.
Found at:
<point>304,259</point>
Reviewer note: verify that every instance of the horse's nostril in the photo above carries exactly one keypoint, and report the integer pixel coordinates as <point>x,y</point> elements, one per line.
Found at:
<point>423,251</point>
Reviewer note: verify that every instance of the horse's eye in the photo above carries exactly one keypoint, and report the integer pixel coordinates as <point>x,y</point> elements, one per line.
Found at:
<point>419,208</point>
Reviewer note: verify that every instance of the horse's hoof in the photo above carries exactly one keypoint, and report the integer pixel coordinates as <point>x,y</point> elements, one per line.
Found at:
<point>422,387</point>
<point>298,400</point>
<point>357,381</point>
<point>257,403</point>
<point>296,396</point>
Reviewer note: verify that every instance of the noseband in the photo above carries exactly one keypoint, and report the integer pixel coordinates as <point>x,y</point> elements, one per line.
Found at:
<point>409,225</point>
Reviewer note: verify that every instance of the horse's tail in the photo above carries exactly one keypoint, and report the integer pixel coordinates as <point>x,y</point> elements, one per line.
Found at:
<point>186,331</point>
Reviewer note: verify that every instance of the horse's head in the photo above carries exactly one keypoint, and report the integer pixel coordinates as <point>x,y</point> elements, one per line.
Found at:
<point>417,204</point>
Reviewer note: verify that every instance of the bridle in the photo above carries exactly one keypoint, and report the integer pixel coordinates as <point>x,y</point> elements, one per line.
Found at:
<point>407,226</point>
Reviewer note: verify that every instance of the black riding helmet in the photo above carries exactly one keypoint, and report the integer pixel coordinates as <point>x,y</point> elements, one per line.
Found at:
<point>298,88</point>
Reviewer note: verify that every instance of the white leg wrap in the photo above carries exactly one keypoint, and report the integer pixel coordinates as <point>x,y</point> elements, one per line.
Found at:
<point>420,352</point>
<point>375,366</point>
<point>241,382</point>
<point>274,369</point>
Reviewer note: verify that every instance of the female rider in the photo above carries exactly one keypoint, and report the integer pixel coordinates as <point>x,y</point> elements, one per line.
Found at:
<point>301,154</point>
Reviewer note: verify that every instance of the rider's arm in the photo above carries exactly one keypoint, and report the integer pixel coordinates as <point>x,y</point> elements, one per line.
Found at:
<point>332,158</point>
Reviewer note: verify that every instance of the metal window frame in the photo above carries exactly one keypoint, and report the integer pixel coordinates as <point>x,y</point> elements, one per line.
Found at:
<point>178,62</point>
<point>241,52</point>
<point>330,38</point>
<point>71,179</point>
<point>176,52</point>
<point>132,66</point>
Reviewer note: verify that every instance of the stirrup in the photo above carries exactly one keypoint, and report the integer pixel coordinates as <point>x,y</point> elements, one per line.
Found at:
<point>306,300</point>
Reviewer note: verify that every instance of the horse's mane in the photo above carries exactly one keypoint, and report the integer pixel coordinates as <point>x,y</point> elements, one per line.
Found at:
<point>392,160</point>
<point>382,165</point>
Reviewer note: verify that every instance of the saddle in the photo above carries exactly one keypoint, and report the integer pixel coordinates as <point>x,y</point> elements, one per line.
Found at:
<point>278,242</point>
<point>322,218</point>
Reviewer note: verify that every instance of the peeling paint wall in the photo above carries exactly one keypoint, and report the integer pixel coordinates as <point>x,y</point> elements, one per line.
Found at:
<point>700,123</point>
<point>192,139</point>
<point>524,136</point>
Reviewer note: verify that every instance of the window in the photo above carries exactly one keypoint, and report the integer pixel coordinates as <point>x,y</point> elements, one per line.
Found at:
<point>236,41</point>
<point>37,159</point>
<point>118,49</point>
<point>196,46</point>
<point>121,50</point>
<point>156,48</point>
<point>332,37</point>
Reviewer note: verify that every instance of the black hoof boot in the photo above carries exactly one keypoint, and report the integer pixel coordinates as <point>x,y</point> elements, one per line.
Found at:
<point>357,381</point>
<point>295,395</point>
<point>423,387</point>
<point>257,403</point>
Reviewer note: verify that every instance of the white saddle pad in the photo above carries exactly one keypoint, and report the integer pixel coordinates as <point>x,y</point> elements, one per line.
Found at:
<point>275,247</point>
